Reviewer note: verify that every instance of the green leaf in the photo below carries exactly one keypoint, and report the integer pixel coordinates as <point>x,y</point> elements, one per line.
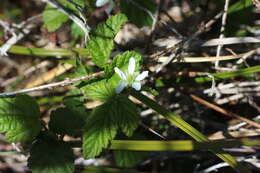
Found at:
<point>187,128</point>
<point>102,125</point>
<point>127,115</point>
<point>100,129</point>
<point>19,118</point>
<point>128,158</point>
<point>74,5</point>
<point>53,18</point>
<point>105,89</point>
<point>121,61</point>
<point>240,5</point>
<point>74,98</point>
<point>80,69</point>
<point>102,90</point>
<point>76,31</point>
<point>101,42</point>
<point>50,156</point>
<point>67,121</point>
<point>139,11</point>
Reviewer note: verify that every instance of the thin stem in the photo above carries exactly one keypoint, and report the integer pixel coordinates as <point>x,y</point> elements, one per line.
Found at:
<point>51,85</point>
<point>174,145</point>
<point>187,128</point>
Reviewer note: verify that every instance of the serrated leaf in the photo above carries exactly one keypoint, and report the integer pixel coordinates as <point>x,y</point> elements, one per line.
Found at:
<point>50,156</point>
<point>139,11</point>
<point>100,129</point>
<point>101,42</point>
<point>66,121</point>
<point>102,90</point>
<point>19,118</point>
<point>105,89</point>
<point>102,125</point>
<point>127,115</point>
<point>122,60</point>
<point>128,159</point>
<point>53,18</point>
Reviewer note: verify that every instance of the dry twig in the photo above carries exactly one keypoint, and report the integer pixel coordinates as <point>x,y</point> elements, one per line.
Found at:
<point>223,111</point>
<point>222,29</point>
<point>52,85</point>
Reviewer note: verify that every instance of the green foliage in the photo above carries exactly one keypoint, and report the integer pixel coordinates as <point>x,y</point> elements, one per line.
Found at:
<point>105,89</point>
<point>127,115</point>
<point>240,5</point>
<point>19,118</point>
<point>139,12</point>
<point>74,99</point>
<point>102,90</point>
<point>66,121</point>
<point>101,42</point>
<point>104,122</point>
<point>128,158</point>
<point>53,18</point>
<point>69,120</point>
<point>81,69</point>
<point>51,156</point>
<point>76,31</point>
<point>159,83</point>
<point>122,60</point>
<point>117,114</point>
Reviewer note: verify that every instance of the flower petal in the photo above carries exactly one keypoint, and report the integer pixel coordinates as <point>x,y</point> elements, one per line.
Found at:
<point>120,73</point>
<point>100,3</point>
<point>120,87</point>
<point>131,66</point>
<point>110,8</point>
<point>141,76</point>
<point>136,86</point>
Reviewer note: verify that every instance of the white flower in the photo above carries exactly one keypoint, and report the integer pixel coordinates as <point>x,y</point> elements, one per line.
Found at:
<point>130,78</point>
<point>101,3</point>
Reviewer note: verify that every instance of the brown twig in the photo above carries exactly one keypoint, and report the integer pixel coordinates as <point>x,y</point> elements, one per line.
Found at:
<point>223,111</point>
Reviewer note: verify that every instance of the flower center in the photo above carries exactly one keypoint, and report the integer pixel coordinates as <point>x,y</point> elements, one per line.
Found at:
<point>130,78</point>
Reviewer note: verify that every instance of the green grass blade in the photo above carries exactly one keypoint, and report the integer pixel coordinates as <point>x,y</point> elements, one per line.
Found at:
<point>219,76</point>
<point>179,145</point>
<point>21,50</point>
<point>183,125</point>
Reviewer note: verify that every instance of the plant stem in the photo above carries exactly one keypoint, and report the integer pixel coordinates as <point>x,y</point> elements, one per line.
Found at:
<point>178,145</point>
<point>21,50</point>
<point>187,128</point>
<point>174,145</point>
